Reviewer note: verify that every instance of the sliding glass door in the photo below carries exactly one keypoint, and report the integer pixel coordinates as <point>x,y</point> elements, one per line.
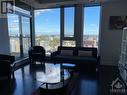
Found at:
<point>14,34</point>
<point>26,40</point>
<point>19,34</point>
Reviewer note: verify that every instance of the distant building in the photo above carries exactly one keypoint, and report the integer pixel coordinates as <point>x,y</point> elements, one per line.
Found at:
<point>90,43</point>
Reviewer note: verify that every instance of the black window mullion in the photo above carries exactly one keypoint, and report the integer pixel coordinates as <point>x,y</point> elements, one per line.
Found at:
<point>21,41</point>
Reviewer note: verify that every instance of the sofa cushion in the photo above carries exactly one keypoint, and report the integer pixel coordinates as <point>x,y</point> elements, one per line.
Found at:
<point>64,57</point>
<point>94,50</point>
<point>66,53</point>
<point>84,53</point>
<point>75,59</point>
<point>85,59</point>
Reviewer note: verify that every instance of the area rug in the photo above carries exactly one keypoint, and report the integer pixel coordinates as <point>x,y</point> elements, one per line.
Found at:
<point>69,88</point>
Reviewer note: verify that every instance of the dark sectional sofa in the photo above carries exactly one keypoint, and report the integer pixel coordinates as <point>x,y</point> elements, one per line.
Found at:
<point>76,55</point>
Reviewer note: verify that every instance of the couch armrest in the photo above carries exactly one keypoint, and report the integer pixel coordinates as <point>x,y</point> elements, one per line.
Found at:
<point>55,53</point>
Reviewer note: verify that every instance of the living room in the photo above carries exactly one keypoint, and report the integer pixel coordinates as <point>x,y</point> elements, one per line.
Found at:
<point>108,43</point>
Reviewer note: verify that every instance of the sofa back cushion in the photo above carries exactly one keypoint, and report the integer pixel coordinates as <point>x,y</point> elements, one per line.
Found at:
<point>78,51</point>
<point>85,53</point>
<point>66,52</point>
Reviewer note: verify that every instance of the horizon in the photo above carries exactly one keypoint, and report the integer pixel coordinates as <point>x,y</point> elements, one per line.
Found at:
<point>51,35</point>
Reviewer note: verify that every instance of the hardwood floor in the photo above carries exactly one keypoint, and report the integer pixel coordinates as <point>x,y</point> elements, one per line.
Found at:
<point>89,83</point>
<point>98,83</point>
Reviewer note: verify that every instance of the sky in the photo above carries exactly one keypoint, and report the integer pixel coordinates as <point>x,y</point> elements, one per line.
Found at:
<point>47,21</point>
<point>91,20</point>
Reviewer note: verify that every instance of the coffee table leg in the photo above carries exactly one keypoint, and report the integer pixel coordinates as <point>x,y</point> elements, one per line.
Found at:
<point>61,73</point>
<point>46,85</point>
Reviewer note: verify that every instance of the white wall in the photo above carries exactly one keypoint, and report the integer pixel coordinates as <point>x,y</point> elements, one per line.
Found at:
<point>4,38</point>
<point>110,40</point>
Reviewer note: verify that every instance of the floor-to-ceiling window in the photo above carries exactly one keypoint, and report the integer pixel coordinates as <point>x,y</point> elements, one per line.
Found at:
<point>69,22</point>
<point>14,34</point>
<point>68,35</point>
<point>26,42</point>
<point>19,33</point>
<point>47,28</point>
<point>91,26</point>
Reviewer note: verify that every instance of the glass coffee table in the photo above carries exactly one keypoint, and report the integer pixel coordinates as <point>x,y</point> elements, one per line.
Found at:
<point>54,78</point>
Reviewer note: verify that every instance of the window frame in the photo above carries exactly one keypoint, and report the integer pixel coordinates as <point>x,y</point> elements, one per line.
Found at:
<point>63,37</point>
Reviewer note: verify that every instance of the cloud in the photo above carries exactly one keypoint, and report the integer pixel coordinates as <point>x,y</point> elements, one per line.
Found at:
<point>15,21</point>
<point>93,25</point>
<point>38,12</point>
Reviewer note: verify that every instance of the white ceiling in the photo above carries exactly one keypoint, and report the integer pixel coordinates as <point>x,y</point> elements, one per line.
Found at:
<point>39,4</point>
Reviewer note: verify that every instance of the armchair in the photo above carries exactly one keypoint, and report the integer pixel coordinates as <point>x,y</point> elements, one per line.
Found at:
<point>5,70</point>
<point>5,77</point>
<point>36,54</point>
<point>11,59</point>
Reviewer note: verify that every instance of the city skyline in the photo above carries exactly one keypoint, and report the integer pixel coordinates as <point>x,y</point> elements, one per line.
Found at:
<point>47,29</point>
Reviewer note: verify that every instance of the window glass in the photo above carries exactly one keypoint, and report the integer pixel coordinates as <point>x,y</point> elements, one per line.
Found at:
<point>14,34</point>
<point>69,43</point>
<point>69,22</point>
<point>47,28</point>
<point>19,35</point>
<point>91,26</point>
<point>26,35</point>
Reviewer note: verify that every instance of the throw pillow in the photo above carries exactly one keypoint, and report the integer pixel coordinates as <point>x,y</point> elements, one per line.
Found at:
<point>66,52</point>
<point>84,53</point>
